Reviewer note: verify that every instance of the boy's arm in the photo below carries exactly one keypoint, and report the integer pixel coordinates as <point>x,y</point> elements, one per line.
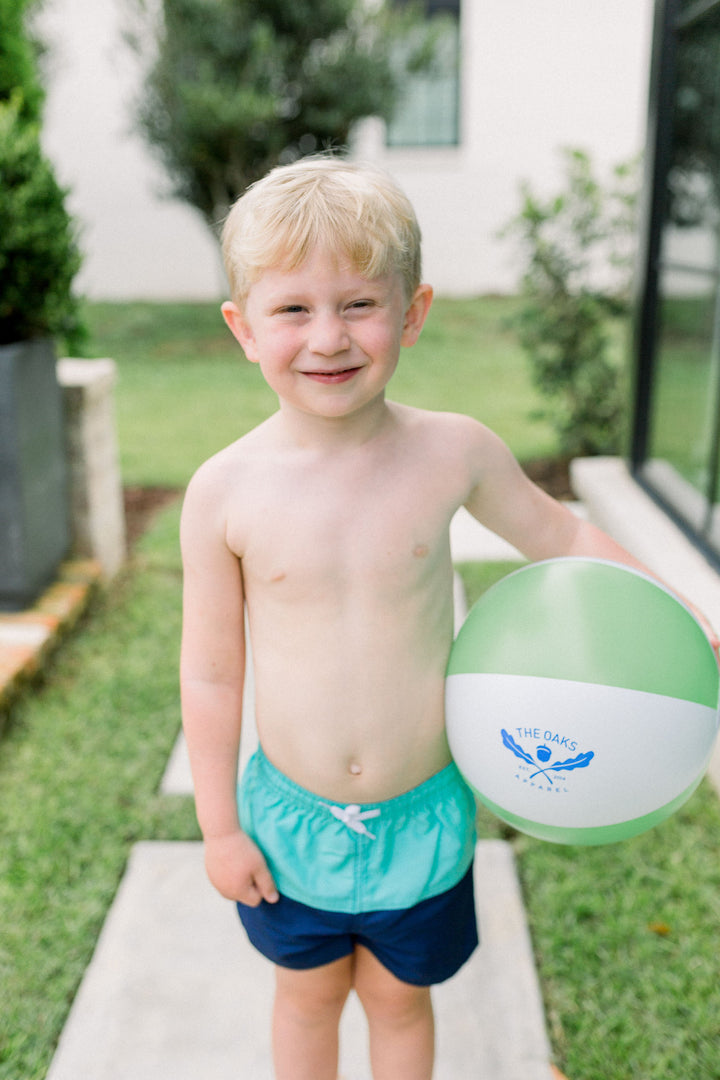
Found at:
<point>212,668</point>
<point>505,500</point>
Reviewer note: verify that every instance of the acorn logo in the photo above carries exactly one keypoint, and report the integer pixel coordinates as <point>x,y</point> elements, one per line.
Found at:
<point>543,754</point>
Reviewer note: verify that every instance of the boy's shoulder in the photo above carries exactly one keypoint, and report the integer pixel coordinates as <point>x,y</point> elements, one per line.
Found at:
<point>458,443</point>
<point>222,472</point>
<point>457,427</point>
<point>230,458</point>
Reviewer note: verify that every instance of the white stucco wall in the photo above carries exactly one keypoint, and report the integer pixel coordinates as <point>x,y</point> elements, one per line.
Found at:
<point>136,243</point>
<point>537,76</point>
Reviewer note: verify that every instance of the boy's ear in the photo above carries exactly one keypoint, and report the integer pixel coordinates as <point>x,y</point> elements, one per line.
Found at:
<point>416,314</point>
<point>240,329</point>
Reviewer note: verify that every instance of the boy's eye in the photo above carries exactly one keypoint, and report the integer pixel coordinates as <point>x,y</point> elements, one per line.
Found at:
<point>291,309</point>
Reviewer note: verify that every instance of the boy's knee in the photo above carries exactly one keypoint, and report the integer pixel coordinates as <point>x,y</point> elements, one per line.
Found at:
<point>387,998</point>
<point>393,1005</point>
<point>313,993</point>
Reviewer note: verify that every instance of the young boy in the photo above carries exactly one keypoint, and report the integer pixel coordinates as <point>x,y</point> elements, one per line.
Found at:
<point>350,854</point>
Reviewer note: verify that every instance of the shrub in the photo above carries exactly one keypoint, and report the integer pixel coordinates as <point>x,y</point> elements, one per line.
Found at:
<point>579,246</point>
<point>39,256</point>
<point>19,53</point>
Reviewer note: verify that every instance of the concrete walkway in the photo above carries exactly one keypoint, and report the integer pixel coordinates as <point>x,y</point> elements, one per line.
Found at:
<point>175,991</point>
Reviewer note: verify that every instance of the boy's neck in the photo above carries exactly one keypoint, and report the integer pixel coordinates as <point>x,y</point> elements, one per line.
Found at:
<point>307,431</point>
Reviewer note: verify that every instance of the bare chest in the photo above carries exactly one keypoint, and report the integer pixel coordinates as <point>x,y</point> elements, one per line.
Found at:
<point>330,537</point>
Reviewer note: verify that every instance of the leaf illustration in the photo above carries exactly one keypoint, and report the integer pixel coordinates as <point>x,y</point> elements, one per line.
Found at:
<point>579,762</point>
<point>517,750</point>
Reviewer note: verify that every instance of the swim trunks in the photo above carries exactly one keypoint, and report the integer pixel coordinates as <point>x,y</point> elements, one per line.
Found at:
<point>422,945</point>
<point>394,876</point>
<point>374,857</point>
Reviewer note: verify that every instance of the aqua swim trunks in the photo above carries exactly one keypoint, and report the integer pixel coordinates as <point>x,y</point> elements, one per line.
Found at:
<point>394,876</point>
<point>374,857</point>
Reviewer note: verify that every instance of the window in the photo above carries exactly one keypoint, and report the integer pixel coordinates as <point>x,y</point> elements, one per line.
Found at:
<point>676,427</point>
<point>427,113</point>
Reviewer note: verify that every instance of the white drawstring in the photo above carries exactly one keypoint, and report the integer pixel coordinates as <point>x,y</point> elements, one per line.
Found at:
<point>353,817</point>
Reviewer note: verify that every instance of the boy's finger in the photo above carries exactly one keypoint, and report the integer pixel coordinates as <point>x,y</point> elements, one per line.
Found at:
<point>266,886</point>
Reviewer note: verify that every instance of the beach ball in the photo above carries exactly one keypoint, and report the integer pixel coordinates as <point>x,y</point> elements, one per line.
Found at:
<point>581,700</point>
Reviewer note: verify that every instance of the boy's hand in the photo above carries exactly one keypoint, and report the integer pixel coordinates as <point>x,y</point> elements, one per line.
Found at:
<point>237,869</point>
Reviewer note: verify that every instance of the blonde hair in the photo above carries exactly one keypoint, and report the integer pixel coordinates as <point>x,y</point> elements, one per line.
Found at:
<point>321,201</point>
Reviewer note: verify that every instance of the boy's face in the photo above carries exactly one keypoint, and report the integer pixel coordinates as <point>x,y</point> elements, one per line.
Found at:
<point>326,338</point>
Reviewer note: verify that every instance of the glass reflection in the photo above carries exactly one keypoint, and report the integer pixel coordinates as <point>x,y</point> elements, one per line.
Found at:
<point>683,425</point>
<point>682,421</point>
<point>694,175</point>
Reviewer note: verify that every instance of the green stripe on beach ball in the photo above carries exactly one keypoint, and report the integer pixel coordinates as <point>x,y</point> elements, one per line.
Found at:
<point>581,701</point>
<point>595,835</point>
<point>591,621</point>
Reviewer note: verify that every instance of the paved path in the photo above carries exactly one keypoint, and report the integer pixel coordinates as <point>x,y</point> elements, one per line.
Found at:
<point>174,990</point>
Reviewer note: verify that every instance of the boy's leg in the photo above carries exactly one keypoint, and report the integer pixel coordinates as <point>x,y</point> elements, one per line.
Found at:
<point>306,1015</point>
<point>400,1021</point>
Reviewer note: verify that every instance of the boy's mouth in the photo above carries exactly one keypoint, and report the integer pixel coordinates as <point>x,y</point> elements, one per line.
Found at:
<point>330,377</point>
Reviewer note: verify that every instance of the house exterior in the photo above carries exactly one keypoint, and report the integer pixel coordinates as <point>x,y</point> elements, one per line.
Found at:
<point>530,78</point>
<point>533,77</point>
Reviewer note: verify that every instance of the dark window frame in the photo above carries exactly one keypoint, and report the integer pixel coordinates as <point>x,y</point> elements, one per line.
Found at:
<point>672,17</point>
<point>454,139</point>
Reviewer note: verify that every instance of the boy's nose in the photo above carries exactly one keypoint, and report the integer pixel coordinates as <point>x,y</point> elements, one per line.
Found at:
<point>328,335</point>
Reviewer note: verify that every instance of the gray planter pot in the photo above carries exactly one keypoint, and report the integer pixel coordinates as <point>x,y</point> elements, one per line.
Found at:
<point>34,517</point>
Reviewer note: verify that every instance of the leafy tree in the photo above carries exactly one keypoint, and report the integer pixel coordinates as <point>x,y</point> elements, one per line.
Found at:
<point>235,87</point>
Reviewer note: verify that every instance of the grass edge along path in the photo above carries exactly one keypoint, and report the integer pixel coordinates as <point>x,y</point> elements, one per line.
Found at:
<point>80,767</point>
<point>625,937</point>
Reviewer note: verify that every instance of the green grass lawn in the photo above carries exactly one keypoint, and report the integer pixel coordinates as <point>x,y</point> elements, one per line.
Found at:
<point>626,936</point>
<point>80,766</point>
<point>185,389</point>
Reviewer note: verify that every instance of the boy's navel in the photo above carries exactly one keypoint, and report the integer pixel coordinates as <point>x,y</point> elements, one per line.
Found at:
<point>355,768</point>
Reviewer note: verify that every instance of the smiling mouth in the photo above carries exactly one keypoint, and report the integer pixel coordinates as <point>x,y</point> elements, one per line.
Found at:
<point>331,377</point>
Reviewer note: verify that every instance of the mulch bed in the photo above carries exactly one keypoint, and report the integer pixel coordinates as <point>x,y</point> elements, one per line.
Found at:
<point>141,506</point>
<point>552,475</point>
